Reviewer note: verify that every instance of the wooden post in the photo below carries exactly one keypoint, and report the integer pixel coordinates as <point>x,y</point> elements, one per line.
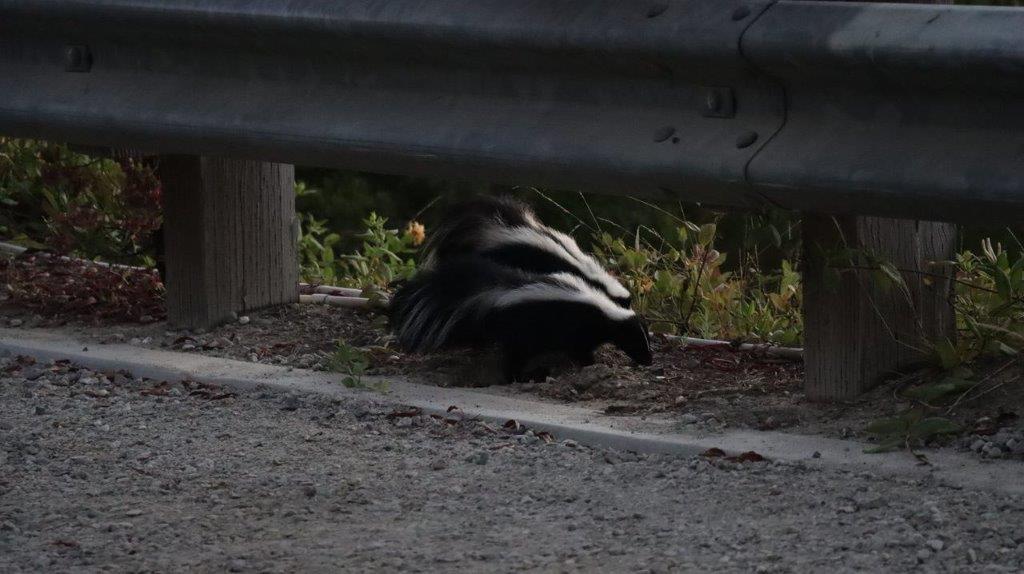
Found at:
<point>229,231</point>
<point>858,330</point>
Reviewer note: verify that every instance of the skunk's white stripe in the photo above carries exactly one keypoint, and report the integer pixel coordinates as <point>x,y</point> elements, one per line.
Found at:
<point>429,329</point>
<point>557,244</point>
<point>567,287</point>
<point>595,271</point>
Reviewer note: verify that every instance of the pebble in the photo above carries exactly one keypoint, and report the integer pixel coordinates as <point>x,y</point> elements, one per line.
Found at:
<point>480,458</point>
<point>309,490</point>
<point>32,373</point>
<point>923,554</point>
<point>243,320</point>
<point>689,419</point>
<point>291,403</point>
<point>16,323</point>
<point>936,544</point>
<point>40,410</point>
<point>569,443</point>
<point>977,445</point>
<point>438,465</point>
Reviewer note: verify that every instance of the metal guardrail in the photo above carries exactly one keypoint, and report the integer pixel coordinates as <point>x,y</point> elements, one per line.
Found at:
<point>901,110</point>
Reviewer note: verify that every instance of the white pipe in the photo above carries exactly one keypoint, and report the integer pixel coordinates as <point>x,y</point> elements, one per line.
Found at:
<point>325,299</point>
<point>793,353</point>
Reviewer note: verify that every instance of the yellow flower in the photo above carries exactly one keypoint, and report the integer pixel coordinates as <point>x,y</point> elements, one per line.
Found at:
<point>417,232</point>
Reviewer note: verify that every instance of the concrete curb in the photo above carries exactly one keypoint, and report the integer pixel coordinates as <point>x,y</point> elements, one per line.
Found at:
<point>565,422</point>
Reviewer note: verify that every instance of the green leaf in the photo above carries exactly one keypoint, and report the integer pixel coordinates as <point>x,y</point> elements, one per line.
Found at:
<point>932,427</point>
<point>886,446</point>
<point>707,234</point>
<point>935,391</point>
<point>890,426</point>
<point>947,354</point>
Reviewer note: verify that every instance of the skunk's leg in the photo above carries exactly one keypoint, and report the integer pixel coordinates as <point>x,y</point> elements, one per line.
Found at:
<point>582,357</point>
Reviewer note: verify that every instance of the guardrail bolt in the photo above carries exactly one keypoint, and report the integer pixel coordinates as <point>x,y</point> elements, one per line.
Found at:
<point>713,101</point>
<point>740,13</point>
<point>77,59</point>
<point>719,103</point>
<point>656,10</point>
<point>746,139</point>
<point>662,134</point>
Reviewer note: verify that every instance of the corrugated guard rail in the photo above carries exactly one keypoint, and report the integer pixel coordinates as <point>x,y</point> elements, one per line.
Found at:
<point>876,109</point>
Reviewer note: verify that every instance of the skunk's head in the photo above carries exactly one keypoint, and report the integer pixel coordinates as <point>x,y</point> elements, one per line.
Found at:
<point>631,337</point>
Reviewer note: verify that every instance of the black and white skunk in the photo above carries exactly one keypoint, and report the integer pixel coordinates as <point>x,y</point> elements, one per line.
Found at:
<point>472,302</point>
<point>506,231</point>
<point>494,275</point>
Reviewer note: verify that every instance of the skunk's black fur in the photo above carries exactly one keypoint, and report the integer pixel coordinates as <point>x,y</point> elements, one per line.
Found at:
<point>507,232</point>
<point>472,301</point>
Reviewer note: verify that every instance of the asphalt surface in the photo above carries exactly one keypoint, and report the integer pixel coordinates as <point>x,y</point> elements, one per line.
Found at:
<point>113,473</point>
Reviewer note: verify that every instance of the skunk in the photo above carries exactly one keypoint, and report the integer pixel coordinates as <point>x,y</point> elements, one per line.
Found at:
<point>506,231</point>
<point>471,301</point>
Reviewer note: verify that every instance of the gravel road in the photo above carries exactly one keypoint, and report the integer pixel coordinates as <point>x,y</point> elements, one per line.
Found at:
<point>108,472</point>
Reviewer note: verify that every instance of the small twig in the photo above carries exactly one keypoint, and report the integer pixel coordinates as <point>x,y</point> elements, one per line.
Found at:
<point>696,289</point>
<point>983,380</point>
<point>921,272</point>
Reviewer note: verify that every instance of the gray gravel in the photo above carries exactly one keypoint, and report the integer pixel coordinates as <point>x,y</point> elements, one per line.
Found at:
<point>95,474</point>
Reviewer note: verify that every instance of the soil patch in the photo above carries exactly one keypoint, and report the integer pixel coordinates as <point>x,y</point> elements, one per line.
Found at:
<point>709,387</point>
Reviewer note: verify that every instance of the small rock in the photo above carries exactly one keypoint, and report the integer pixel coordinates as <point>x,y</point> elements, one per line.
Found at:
<point>237,566</point>
<point>15,322</point>
<point>994,452</point>
<point>689,419</point>
<point>32,373</point>
<point>977,445</point>
<point>923,554</point>
<point>291,403</point>
<point>480,458</point>
<point>404,422</point>
<point>438,465</point>
<point>243,320</point>
<point>309,490</point>
<point>1011,444</point>
<point>40,410</point>
<point>816,455</point>
<point>569,443</point>
<point>936,544</point>
<point>134,512</point>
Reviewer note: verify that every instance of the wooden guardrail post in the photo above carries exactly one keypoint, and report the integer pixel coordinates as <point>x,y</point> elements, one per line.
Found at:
<point>229,233</point>
<point>857,329</point>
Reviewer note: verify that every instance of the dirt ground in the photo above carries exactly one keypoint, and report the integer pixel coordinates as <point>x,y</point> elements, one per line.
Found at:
<point>711,387</point>
<point>106,472</point>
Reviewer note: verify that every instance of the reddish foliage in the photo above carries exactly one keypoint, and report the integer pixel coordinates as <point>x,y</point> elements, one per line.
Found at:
<point>61,287</point>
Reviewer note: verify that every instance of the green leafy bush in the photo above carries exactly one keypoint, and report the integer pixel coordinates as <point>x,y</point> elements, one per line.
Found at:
<point>680,286</point>
<point>71,203</point>
<point>385,255</point>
